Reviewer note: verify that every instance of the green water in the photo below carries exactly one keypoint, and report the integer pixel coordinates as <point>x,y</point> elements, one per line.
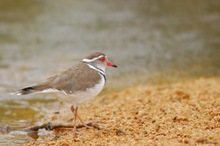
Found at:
<point>151,41</point>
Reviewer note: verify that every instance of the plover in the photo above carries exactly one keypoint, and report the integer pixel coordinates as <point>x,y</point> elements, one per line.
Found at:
<point>79,83</point>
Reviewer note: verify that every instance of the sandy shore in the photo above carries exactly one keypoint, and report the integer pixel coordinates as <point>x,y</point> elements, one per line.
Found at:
<point>176,114</point>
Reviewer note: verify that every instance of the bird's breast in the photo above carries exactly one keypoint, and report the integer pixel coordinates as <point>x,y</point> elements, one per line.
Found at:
<point>81,96</point>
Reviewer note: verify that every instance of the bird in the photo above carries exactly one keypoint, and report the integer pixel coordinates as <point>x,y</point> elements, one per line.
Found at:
<point>78,83</point>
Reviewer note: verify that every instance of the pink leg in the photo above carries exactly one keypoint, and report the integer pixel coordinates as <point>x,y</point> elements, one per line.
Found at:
<point>75,115</point>
<point>74,111</point>
<point>82,120</point>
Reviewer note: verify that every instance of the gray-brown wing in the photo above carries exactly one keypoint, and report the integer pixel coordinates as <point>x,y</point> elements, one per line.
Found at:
<point>76,78</point>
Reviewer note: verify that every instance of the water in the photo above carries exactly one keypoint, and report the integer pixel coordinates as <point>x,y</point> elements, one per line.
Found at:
<point>151,41</point>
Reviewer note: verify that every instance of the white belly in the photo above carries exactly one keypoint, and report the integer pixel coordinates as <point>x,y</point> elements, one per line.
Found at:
<point>79,97</point>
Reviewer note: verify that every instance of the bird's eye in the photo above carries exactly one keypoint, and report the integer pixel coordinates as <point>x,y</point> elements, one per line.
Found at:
<point>102,59</point>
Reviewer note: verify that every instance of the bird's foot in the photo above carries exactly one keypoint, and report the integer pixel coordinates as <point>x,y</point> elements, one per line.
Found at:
<point>90,124</point>
<point>75,132</point>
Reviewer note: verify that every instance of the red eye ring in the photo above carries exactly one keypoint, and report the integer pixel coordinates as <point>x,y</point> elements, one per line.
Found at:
<point>102,59</point>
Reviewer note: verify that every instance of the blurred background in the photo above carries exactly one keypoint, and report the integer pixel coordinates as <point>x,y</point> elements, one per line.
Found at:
<point>152,42</point>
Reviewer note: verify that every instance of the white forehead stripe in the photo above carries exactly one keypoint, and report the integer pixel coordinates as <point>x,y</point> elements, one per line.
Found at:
<point>91,60</point>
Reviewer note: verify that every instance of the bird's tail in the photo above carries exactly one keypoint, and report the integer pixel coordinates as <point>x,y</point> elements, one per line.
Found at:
<point>40,88</point>
<point>25,91</point>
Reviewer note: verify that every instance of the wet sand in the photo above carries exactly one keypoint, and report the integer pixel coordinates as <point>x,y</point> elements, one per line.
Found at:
<point>174,114</point>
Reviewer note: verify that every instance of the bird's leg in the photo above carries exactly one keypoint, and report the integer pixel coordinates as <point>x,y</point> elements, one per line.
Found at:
<point>82,120</point>
<point>75,115</point>
<point>74,111</point>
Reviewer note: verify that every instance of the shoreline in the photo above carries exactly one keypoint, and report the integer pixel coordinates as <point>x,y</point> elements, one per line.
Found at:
<point>177,113</point>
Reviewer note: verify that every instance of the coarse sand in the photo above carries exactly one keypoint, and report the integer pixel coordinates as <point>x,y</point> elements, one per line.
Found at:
<point>176,114</point>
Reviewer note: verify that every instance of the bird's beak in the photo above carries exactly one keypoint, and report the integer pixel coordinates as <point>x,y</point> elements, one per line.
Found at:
<point>110,64</point>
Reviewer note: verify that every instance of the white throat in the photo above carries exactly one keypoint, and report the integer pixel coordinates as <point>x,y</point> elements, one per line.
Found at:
<point>100,70</point>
